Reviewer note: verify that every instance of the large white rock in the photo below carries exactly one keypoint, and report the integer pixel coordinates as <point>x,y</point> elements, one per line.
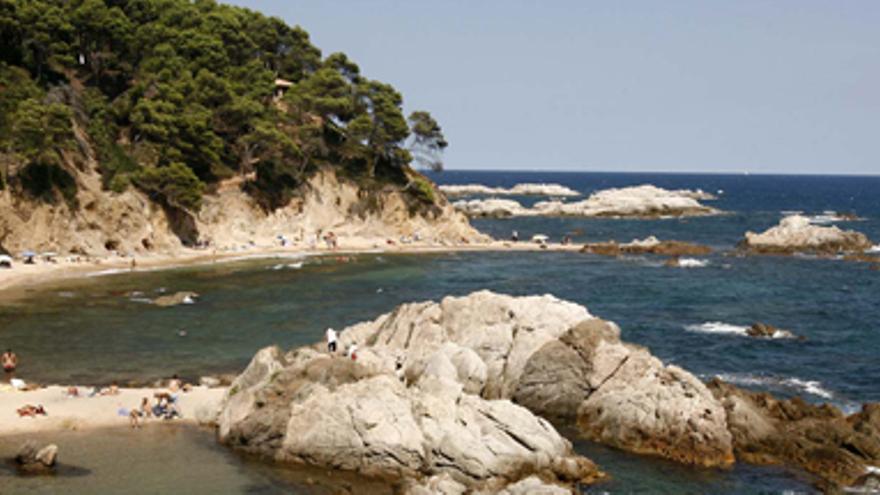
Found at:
<point>636,201</point>
<point>796,233</point>
<point>430,394</point>
<point>525,189</point>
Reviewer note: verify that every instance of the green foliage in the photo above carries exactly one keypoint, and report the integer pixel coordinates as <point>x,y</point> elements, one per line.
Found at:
<point>174,185</point>
<point>423,189</point>
<point>46,180</point>
<point>428,141</point>
<point>166,85</point>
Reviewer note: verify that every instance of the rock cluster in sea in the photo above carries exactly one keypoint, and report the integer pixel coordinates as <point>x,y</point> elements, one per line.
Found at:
<point>645,201</point>
<point>450,396</point>
<point>526,189</point>
<point>796,234</point>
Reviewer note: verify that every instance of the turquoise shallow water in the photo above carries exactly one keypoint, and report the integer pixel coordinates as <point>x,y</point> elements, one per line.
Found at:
<point>98,329</point>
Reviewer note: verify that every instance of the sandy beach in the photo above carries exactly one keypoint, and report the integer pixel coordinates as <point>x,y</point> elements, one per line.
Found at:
<point>83,412</point>
<point>42,272</point>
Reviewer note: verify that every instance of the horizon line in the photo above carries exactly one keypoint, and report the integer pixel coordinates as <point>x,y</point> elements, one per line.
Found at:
<point>661,172</point>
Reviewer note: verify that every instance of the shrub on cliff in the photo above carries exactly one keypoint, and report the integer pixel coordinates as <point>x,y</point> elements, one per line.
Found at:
<point>174,185</point>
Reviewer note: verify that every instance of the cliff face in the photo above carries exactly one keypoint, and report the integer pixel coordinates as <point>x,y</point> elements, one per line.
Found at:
<point>102,222</point>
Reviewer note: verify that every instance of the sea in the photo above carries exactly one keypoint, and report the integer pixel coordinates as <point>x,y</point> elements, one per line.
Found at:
<point>99,329</point>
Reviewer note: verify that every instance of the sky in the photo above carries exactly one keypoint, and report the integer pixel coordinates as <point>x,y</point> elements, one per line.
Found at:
<point>782,86</point>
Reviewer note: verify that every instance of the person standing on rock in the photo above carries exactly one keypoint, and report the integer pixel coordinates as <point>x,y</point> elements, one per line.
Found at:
<point>9,361</point>
<point>331,340</point>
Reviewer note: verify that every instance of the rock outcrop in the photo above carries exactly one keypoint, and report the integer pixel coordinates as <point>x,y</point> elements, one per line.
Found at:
<point>447,409</point>
<point>492,208</point>
<point>820,438</point>
<point>649,245</point>
<point>526,189</point>
<point>644,201</point>
<point>33,460</point>
<point>796,234</point>
<point>328,410</point>
<point>631,202</point>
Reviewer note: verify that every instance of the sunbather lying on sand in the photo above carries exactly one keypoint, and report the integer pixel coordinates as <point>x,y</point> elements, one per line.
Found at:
<point>32,411</point>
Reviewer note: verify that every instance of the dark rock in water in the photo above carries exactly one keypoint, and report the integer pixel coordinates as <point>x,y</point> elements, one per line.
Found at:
<point>183,297</point>
<point>651,245</point>
<point>819,438</point>
<point>763,330</point>
<point>33,460</point>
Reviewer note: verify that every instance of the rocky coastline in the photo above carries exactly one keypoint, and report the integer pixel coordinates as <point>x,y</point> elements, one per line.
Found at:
<point>453,393</point>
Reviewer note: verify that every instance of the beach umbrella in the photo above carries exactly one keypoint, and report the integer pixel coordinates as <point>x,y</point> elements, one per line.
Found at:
<point>540,238</point>
<point>49,254</point>
<point>5,258</point>
<point>28,254</point>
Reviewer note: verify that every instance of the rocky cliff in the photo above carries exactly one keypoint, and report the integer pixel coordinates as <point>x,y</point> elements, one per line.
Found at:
<point>99,222</point>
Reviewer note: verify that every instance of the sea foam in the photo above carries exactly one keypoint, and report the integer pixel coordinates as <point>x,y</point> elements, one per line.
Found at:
<point>717,327</point>
<point>692,263</point>
<point>720,327</point>
<point>791,384</point>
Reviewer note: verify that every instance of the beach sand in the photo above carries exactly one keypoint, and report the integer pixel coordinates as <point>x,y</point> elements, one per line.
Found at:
<point>22,275</point>
<point>83,412</point>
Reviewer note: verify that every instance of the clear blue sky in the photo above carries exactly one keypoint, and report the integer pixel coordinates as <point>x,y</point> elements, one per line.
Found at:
<point>788,86</point>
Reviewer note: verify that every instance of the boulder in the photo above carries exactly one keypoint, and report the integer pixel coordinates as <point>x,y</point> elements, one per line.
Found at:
<point>183,297</point>
<point>333,412</point>
<point>819,438</point>
<point>33,460</point>
<point>795,234</point>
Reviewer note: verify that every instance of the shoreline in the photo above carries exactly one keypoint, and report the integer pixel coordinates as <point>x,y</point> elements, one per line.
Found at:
<point>23,276</point>
<point>88,413</point>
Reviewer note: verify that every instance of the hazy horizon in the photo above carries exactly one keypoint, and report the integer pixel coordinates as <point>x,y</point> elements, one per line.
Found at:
<point>788,87</point>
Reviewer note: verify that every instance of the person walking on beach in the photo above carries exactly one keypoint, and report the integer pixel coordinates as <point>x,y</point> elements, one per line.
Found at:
<point>9,361</point>
<point>331,340</point>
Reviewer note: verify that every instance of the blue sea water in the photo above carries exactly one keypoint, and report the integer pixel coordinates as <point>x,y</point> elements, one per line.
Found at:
<point>97,329</point>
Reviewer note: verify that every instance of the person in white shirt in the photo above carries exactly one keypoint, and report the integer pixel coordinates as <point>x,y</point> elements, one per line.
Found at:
<point>331,340</point>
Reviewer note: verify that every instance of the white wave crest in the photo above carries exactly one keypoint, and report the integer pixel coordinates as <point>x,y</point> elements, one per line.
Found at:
<point>717,327</point>
<point>874,249</point>
<point>791,384</point>
<point>720,327</point>
<point>692,263</point>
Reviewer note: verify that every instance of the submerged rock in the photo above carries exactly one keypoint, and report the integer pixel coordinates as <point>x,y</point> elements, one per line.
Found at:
<point>649,245</point>
<point>795,234</point>
<point>819,438</point>
<point>33,460</point>
<point>762,330</point>
<point>183,297</point>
